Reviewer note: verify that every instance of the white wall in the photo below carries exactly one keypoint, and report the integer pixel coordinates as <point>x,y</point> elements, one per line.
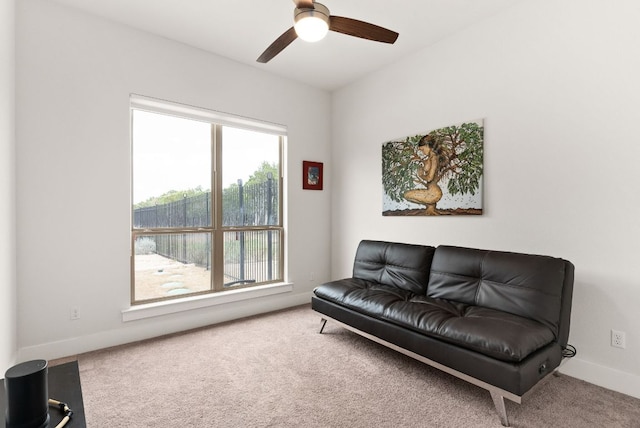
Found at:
<point>557,84</point>
<point>74,76</point>
<point>8,329</point>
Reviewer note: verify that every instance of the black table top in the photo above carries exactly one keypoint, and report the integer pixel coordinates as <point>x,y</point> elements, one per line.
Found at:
<point>64,385</point>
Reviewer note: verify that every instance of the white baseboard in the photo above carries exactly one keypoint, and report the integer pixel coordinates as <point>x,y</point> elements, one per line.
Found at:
<point>603,376</point>
<point>134,332</point>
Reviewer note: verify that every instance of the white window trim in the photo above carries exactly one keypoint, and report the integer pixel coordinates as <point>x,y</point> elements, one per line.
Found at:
<point>170,108</point>
<point>165,307</point>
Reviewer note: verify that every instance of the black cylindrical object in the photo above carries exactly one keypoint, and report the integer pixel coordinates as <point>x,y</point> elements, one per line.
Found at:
<point>27,395</point>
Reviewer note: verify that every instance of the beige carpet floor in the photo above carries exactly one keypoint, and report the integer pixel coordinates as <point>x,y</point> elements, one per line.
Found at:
<point>275,370</point>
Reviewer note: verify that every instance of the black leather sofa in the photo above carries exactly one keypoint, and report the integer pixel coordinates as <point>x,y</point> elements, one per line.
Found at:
<point>499,320</point>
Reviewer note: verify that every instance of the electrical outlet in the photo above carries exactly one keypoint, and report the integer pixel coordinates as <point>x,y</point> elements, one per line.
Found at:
<point>312,276</point>
<point>618,339</point>
<point>74,314</point>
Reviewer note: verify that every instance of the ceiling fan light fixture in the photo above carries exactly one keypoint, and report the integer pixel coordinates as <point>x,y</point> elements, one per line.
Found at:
<point>312,25</point>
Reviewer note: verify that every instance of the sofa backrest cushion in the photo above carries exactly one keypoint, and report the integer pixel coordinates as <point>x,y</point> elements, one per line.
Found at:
<point>404,266</point>
<point>522,284</point>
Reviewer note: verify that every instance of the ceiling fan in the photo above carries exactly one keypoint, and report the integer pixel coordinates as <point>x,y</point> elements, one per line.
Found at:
<point>313,21</point>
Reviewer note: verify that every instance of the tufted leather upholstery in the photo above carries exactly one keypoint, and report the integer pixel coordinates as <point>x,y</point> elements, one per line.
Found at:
<point>498,316</point>
<point>495,333</point>
<point>521,284</point>
<point>402,266</point>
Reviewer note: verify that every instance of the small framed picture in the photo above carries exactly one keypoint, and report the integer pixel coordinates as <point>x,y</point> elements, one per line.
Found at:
<point>312,175</point>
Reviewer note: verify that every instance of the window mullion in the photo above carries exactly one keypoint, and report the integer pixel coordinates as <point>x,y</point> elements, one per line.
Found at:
<point>217,276</point>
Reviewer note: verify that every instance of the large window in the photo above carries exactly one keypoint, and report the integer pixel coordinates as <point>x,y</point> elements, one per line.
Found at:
<point>206,201</point>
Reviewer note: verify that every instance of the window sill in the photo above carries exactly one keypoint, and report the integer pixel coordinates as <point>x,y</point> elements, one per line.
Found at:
<point>196,302</point>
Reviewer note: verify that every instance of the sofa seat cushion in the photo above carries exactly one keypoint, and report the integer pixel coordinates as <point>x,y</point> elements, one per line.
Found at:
<point>363,296</point>
<point>497,334</point>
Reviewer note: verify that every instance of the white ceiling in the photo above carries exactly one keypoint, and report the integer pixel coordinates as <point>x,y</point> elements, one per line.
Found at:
<point>242,29</point>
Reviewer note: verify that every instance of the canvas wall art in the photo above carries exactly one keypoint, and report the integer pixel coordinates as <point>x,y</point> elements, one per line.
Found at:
<point>435,173</point>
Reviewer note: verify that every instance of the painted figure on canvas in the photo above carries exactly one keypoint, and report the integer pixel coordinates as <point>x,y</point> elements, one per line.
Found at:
<point>436,173</point>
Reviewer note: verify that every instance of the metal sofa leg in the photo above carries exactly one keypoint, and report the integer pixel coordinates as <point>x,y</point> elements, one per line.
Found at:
<point>498,401</point>
<point>323,323</point>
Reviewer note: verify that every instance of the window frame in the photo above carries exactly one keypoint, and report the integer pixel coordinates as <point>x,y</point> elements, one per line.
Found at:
<point>216,229</point>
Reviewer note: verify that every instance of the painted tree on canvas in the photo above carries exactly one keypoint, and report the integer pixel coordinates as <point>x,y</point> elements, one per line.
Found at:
<point>415,168</point>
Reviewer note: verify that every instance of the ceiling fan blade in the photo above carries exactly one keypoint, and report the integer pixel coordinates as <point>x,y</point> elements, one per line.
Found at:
<point>276,47</point>
<point>364,30</point>
<point>306,4</point>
